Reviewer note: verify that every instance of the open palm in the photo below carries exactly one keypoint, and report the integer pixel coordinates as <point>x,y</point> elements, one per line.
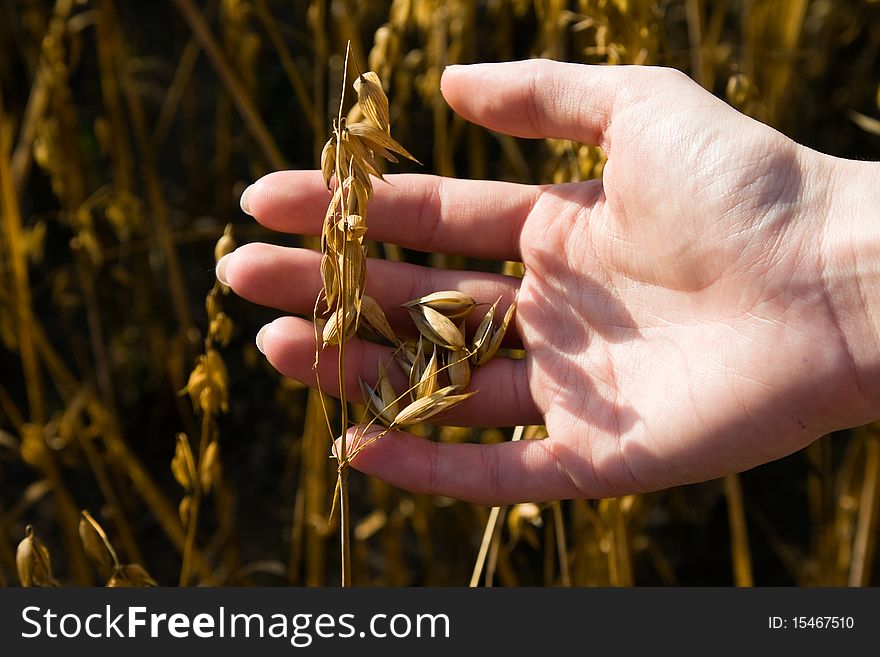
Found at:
<point>673,314</point>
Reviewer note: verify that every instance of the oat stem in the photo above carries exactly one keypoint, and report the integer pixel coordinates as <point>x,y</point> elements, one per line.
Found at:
<point>561,548</point>
<point>865,534</point>
<point>237,92</point>
<point>342,470</point>
<point>18,265</point>
<point>491,526</point>
<point>739,536</point>
<point>286,61</point>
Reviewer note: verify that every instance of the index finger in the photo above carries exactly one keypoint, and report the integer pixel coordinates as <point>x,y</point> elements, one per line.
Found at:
<point>480,219</point>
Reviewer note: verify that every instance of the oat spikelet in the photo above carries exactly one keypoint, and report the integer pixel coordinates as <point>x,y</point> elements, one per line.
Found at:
<point>436,327</point>
<point>427,407</point>
<point>372,312</point>
<point>451,303</point>
<point>33,562</point>
<point>372,100</point>
<point>95,542</point>
<point>489,347</point>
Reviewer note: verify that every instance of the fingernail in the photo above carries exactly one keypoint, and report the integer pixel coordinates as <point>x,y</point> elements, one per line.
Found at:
<point>243,202</point>
<point>260,335</point>
<point>220,269</point>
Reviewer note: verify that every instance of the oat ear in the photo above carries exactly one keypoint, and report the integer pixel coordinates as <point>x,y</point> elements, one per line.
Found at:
<point>390,405</point>
<point>427,407</point>
<point>458,369</point>
<point>225,245</point>
<point>489,348</point>
<point>209,466</point>
<point>183,464</point>
<point>374,402</point>
<point>484,331</point>
<point>372,100</point>
<point>436,327</point>
<point>347,321</point>
<point>131,575</point>
<point>451,303</point>
<point>428,382</point>
<point>373,137</point>
<point>360,151</point>
<point>32,561</point>
<point>328,161</point>
<point>96,543</point>
<point>329,279</point>
<point>372,312</point>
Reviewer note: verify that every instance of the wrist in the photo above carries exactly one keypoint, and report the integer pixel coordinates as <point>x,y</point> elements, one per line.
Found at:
<point>850,272</point>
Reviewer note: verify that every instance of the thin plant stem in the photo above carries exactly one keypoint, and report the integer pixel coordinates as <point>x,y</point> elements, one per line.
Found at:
<point>33,376</point>
<point>739,544</point>
<point>38,100</point>
<point>121,155</point>
<point>176,90</point>
<point>156,198</point>
<point>493,555</point>
<point>559,525</point>
<point>243,102</point>
<point>286,61</point>
<point>67,386</point>
<point>105,485</point>
<point>695,35</point>
<point>317,16</point>
<point>865,539</point>
<point>16,257</point>
<point>488,532</point>
<point>342,470</point>
<point>494,515</point>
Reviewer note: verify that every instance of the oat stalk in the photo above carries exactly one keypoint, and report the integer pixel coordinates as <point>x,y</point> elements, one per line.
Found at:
<point>342,470</point>
<point>208,390</point>
<point>440,365</point>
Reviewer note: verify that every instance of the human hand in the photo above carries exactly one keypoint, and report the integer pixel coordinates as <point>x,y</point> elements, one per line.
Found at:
<point>683,318</point>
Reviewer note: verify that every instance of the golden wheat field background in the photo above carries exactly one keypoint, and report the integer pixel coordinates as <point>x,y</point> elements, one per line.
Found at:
<point>144,439</point>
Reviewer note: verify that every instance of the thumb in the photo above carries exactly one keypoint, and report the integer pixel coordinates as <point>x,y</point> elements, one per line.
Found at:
<point>543,98</point>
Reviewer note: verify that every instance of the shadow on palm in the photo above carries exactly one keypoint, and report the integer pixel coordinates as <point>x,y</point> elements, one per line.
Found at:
<point>722,283</point>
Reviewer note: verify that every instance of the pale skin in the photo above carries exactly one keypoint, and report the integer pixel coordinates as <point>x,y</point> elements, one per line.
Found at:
<point>706,307</point>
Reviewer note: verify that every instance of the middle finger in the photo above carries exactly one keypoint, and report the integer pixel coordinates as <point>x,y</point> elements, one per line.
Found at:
<point>289,279</point>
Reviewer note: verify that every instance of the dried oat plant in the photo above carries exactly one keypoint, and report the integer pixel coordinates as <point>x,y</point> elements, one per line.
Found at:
<point>439,362</point>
